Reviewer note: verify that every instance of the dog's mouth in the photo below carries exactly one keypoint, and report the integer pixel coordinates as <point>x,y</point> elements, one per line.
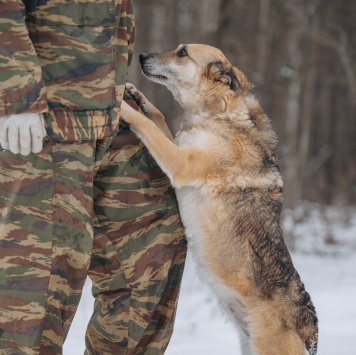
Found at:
<point>160,77</point>
<point>151,75</point>
<point>149,67</point>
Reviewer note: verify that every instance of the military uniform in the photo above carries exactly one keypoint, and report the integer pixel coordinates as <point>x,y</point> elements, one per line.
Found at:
<point>93,202</point>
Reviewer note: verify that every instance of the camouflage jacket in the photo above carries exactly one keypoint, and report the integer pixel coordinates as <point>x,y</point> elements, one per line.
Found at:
<point>68,60</point>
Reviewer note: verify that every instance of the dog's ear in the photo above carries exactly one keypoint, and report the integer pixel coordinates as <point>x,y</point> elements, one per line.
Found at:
<point>240,79</point>
<point>229,75</point>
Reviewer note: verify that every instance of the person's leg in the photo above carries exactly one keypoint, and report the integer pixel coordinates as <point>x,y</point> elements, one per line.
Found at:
<point>139,253</point>
<point>46,234</point>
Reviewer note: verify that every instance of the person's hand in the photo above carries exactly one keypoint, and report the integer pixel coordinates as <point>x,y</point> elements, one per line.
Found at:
<point>22,133</point>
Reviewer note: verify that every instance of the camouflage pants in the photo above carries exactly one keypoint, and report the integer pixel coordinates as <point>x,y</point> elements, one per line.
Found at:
<point>98,208</point>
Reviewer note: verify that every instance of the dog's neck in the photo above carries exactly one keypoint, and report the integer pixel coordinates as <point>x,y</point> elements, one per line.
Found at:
<point>186,98</point>
<point>222,106</point>
<point>220,103</point>
<point>189,103</point>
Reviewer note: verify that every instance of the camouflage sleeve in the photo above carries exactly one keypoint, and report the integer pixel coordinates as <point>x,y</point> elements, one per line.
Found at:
<point>21,85</point>
<point>131,40</point>
<point>131,43</point>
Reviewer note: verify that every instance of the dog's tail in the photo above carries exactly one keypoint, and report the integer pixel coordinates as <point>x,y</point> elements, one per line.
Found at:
<point>305,321</point>
<point>311,328</point>
<point>312,347</point>
<point>308,321</point>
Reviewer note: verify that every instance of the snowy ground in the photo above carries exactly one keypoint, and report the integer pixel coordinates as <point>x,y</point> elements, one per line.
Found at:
<point>329,276</point>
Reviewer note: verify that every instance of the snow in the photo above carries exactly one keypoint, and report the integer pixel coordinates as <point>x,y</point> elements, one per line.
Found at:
<point>327,270</point>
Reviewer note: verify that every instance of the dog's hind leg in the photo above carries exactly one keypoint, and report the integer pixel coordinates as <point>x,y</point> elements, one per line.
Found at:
<point>245,343</point>
<point>271,337</point>
<point>236,312</point>
<point>284,343</point>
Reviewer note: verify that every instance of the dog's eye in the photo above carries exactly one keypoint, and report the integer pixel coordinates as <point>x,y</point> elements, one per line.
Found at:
<point>182,53</point>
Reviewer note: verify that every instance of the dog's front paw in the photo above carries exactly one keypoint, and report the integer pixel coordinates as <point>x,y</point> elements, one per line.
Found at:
<point>147,108</point>
<point>137,95</point>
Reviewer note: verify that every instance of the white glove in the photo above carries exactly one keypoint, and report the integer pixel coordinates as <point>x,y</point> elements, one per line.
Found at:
<point>22,133</point>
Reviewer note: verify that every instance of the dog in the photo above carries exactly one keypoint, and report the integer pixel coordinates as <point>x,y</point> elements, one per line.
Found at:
<point>222,164</point>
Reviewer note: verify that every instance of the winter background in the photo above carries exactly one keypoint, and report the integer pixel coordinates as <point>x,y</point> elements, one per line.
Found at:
<point>300,55</point>
<point>324,255</point>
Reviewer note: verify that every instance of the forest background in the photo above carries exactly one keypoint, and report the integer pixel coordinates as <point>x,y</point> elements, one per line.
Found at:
<point>300,55</point>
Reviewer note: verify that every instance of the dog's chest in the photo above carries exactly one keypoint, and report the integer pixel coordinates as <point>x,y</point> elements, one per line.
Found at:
<point>195,136</point>
<point>192,200</point>
<point>190,207</point>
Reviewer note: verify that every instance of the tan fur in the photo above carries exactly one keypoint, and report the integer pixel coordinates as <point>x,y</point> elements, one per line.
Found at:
<point>223,166</point>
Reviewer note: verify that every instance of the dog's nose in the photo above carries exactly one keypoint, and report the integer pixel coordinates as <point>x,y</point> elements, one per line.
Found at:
<point>142,57</point>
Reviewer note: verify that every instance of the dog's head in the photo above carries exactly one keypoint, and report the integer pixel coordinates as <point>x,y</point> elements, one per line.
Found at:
<point>198,76</point>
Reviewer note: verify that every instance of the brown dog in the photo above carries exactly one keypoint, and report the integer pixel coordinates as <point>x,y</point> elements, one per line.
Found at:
<point>223,167</point>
